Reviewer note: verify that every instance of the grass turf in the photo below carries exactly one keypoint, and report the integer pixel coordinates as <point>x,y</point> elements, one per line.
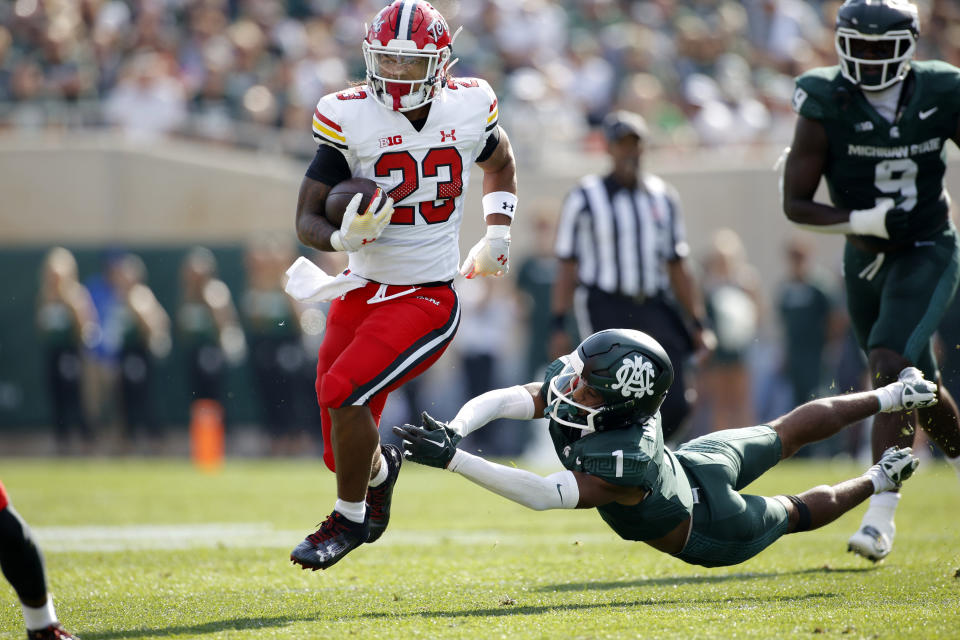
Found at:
<point>154,549</point>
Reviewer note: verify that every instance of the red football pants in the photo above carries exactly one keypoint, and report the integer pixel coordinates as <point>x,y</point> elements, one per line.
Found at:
<point>373,344</point>
<point>4,500</point>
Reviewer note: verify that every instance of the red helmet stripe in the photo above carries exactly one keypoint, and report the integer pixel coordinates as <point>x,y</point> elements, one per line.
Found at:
<point>494,105</point>
<point>327,121</point>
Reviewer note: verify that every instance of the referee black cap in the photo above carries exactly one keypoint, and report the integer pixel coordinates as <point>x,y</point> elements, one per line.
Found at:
<point>618,124</point>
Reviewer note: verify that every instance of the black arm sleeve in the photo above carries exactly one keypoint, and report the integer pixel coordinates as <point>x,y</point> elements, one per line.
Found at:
<point>492,141</point>
<point>328,166</point>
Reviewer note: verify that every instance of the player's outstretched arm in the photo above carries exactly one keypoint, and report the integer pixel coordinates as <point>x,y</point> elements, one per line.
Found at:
<point>515,403</point>
<point>435,445</point>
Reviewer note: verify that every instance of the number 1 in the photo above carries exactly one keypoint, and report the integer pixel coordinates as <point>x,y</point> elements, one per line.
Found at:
<point>618,454</point>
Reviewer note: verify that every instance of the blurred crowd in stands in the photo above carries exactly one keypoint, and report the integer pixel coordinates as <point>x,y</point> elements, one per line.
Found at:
<point>249,72</point>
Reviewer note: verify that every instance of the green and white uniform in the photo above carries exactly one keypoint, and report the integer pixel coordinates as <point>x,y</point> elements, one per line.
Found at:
<point>701,479</point>
<point>898,289</point>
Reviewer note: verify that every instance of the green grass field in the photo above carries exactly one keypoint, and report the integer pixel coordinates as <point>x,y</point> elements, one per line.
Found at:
<point>154,549</point>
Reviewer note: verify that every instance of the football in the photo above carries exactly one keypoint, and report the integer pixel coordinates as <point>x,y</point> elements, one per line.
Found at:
<point>341,194</point>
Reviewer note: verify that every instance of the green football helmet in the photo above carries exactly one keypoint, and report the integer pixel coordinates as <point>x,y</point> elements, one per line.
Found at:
<point>875,41</point>
<point>628,369</point>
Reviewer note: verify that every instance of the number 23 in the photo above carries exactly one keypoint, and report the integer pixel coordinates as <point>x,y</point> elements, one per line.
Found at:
<point>411,172</point>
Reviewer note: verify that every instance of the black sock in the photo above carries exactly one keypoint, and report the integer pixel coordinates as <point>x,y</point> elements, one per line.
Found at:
<point>21,559</point>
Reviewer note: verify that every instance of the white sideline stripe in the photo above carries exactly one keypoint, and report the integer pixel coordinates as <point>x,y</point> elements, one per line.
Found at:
<point>234,535</point>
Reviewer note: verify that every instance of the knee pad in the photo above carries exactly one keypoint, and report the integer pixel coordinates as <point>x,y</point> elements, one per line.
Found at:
<point>332,390</point>
<point>803,523</point>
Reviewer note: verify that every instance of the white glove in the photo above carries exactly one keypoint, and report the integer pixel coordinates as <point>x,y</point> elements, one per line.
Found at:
<point>909,392</point>
<point>359,229</point>
<point>490,256</point>
<point>872,222</point>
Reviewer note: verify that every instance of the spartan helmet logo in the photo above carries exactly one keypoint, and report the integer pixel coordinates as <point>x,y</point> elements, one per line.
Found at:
<point>635,377</point>
<point>436,28</point>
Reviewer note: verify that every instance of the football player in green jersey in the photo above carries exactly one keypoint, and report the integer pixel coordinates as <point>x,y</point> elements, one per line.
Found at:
<point>876,128</point>
<point>603,404</point>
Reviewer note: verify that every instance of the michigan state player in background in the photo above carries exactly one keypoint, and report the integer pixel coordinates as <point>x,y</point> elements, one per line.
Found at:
<point>876,127</point>
<point>603,401</point>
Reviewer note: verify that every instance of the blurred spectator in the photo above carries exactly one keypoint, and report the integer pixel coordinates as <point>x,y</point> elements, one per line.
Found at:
<point>732,296</point>
<point>68,325</point>
<point>148,100</point>
<point>138,331</point>
<point>207,326</point>
<point>535,278</point>
<point>277,354</point>
<point>810,318</point>
<point>486,318</point>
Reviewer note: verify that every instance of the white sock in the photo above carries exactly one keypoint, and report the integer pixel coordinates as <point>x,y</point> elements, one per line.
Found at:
<point>956,464</point>
<point>352,511</point>
<point>381,476</point>
<point>40,617</point>
<point>881,511</point>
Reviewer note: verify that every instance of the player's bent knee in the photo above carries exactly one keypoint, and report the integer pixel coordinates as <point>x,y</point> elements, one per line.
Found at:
<point>332,390</point>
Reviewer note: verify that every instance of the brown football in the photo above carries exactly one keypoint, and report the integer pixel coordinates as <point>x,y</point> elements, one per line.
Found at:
<point>341,194</point>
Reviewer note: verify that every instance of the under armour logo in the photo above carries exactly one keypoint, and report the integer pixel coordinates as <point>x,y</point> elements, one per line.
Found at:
<point>502,259</point>
<point>508,207</point>
<point>444,135</point>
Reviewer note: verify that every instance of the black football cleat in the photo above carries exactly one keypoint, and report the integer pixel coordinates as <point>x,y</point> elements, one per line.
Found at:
<point>54,631</point>
<point>378,498</point>
<point>336,537</point>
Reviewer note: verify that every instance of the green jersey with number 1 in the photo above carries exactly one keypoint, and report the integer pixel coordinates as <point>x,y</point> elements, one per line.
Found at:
<point>871,159</point>
<point>632,456</point>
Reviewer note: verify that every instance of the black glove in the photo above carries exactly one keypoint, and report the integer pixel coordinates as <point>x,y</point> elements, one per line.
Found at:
<point>897,221</point>
<point>433,444</point>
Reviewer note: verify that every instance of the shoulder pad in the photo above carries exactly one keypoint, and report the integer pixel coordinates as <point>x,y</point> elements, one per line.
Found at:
<point>327,121</point>
<point>815,94</point>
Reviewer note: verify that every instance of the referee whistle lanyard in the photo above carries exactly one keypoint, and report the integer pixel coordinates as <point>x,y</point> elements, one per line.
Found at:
<point>380,296</point>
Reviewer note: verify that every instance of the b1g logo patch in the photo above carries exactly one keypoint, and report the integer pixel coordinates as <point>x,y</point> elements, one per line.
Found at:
<point>389,141</point>
<point>635,377</point>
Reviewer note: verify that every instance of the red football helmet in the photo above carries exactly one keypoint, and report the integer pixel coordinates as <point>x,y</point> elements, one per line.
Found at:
<point>407,51</point>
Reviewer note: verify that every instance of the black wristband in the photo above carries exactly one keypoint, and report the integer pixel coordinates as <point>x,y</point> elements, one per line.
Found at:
<point>558,321</point>
<point>697,323</point>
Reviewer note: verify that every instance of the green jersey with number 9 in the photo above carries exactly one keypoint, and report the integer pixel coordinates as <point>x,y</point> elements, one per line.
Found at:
<point>872,159</point>
<point>631,456</point>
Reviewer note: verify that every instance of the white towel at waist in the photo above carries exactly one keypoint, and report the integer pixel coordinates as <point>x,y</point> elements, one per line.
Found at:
<point>309,283</point>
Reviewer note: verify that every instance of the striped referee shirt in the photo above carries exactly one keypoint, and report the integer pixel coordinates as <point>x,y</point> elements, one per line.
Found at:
<point>622,238</point>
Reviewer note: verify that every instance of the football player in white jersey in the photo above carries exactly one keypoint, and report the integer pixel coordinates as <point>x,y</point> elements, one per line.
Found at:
<point>414,130</point>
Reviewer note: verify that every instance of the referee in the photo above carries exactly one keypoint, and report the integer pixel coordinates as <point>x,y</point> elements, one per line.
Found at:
<point>622,255</point>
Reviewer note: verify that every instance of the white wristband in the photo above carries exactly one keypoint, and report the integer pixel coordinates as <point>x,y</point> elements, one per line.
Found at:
<point>500,202</point>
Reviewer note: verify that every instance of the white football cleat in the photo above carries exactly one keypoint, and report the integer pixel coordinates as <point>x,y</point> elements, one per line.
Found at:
<point>871,543</point>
